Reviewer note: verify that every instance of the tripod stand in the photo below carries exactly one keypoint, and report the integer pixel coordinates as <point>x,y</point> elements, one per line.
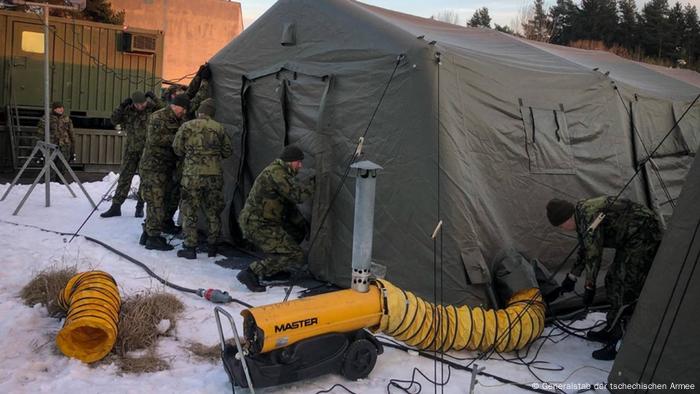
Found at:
<point>50,152</point>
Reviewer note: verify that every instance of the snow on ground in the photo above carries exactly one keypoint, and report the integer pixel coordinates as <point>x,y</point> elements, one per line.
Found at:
<point>29,362</point>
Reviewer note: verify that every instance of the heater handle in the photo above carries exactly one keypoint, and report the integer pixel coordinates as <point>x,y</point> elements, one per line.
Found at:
<point>217,312</point>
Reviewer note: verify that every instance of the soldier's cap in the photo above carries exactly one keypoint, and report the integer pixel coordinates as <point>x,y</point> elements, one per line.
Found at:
<point>181,101</point>
<point>291,153</point>
<point>559,211</point>
<point>138,97</point>
<point>56,104</point>
<point>207,107</point>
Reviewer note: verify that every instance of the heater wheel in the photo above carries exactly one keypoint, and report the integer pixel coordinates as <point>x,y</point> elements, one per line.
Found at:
<point>359,359</point>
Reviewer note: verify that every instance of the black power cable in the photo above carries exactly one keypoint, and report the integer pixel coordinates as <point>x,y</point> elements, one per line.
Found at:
<point>464,367</point>
<point>131,260</point>
<point>94,209</point>
<point>333,387</point>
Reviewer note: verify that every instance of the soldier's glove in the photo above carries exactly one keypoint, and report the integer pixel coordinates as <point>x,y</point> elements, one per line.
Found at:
<point>151,95</point>
<point>588,295</point>
<point>568,284</point>
<point>204,71</point>
<point>127,102</point>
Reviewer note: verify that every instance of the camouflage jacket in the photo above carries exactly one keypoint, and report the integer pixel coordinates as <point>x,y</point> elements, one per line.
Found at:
<point>627,226</point>
<point>201,93</point>
<point>134,123</point>
<point>274,192</point>
<point>60,130</point>
<point>203,143</point>
<point>158,154</point>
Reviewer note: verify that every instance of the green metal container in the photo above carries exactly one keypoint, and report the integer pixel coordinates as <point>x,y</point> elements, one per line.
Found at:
<point>94,66</point>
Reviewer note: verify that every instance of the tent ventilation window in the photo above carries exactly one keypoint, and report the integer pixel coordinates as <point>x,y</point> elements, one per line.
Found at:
<point>548,141</point>
<point>288,35</point>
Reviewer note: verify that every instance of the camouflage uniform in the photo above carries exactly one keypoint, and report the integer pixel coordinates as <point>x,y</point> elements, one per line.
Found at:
<point>203,143</point>
<point>198,91</point>
<point>134,122</point>
<point>633,231</point>
<point>61,133</point>
<point>271,220</point>
<point>157,168</point>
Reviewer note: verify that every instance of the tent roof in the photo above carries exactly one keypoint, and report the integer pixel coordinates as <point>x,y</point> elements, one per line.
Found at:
<point>488,44</point>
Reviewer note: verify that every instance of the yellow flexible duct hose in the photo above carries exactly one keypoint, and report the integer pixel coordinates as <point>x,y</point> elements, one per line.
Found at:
<point>90,329</point>
<point>386,308</point>
<point>423,325</point>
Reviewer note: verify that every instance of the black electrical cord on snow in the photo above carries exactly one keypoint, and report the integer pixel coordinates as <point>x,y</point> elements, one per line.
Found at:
<point>135,261</point>
<point>464,368</point>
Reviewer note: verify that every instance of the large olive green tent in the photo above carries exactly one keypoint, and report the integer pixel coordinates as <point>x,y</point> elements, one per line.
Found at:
<point>478,129</point>
<point>660,351</point>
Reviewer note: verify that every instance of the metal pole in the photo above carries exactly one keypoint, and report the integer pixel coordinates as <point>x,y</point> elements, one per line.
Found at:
<point>47,97</point>
<point>363,230</point>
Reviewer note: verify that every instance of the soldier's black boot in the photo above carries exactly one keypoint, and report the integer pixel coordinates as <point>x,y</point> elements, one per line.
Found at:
<point>187,253</point>
<point>607,353</point>
<point>114,210</point>
<point>139,209</point>
<point>144,235</point>
<point>606,335</point>
<point>250,280</point>
<point>602,336</point>
<point>157,243</point>
<point>212,250</point>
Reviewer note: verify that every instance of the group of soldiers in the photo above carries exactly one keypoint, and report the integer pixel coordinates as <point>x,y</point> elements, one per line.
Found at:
<point>177,149</point>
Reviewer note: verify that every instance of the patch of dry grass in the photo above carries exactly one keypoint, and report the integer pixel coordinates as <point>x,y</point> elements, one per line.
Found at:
<point>139,318</point>
<point>203,352</point>
<point>45,288</point>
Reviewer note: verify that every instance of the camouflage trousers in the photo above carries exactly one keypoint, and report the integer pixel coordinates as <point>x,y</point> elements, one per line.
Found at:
<point>130,166</point>
<point>66,152</point>
<point>626,275</point>
<point>204,192</point>
<point>173,199</point>
<point>279,242</point>
<point>157,189</point>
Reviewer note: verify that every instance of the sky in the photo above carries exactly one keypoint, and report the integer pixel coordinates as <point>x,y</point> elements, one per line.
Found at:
<point>502,12</point>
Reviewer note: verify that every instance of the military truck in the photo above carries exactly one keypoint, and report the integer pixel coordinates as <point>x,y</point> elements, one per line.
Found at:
<point>93,67</point>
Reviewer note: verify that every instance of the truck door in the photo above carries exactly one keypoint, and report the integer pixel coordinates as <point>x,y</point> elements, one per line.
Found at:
<point>27,79</point>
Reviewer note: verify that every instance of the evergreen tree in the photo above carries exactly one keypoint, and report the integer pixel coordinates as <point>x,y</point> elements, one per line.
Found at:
<point>676,23</point>
<point>627,29</point>
<point>481,18</point>
<point>536,28</point>
<point>598,20</point>
<point>101,11</point>
<point>691,36</point>
<point>654,29</point>
<point>563,16</point>
<point>504,29</point>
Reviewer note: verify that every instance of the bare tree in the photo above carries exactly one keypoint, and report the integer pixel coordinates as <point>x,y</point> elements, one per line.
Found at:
<point>448,16</point>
